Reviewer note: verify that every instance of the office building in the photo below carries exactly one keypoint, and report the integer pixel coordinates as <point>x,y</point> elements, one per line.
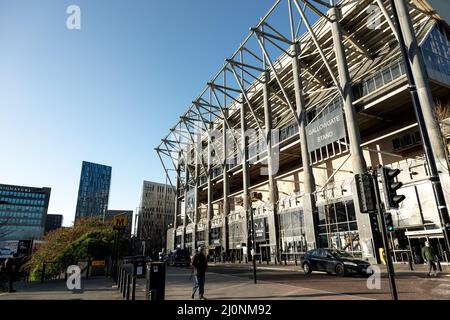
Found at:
<point>53,222</point>
<point>23,212</point>
<point>155,213</point>
<point>93,192</point>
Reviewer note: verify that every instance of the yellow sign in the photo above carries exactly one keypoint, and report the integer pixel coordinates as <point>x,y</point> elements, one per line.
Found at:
<point>120,221</point>
<point>98,263</point>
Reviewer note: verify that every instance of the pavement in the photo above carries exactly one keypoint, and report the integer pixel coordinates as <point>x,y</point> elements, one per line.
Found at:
<point>94,288</point>
<point>235,282</point>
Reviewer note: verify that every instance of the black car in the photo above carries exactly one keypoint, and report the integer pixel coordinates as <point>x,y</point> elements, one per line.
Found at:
<point>179,257</point>
<point>334,261</point>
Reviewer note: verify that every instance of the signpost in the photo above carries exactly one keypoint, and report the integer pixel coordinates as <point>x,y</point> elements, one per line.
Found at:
<point>120,223</point>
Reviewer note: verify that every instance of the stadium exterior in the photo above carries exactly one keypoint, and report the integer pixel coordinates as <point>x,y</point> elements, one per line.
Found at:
<point>318,102</point>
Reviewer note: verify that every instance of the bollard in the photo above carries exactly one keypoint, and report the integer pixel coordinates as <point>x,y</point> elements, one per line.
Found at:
<point>133,290</point>
<point>118,279</point>
<point>128,285</point>
<point>124,291</point>
<point>122,278</point>
<point>123,285</point>
<point>119,272</point>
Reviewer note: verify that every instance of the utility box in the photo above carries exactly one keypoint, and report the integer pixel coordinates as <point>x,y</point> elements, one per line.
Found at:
<point>139,266</point>
<point>155,281</point>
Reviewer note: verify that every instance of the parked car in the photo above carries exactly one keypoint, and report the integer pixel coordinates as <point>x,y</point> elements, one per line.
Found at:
<point>334,261</point>
<point>179,257</point>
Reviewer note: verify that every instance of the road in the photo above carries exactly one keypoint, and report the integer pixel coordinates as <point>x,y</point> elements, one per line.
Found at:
<point>235,282</point>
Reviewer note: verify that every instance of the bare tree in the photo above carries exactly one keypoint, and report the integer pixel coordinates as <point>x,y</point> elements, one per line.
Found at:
<point>442,112</point>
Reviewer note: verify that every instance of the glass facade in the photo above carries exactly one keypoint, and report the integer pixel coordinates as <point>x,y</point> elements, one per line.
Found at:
<point>23,212</point>
<point>53,222</point>
<point>93,192</point>
<point>379,79</point>
<point>215,236</point>
<point>436,54</point>
<point>337,226</point>
<point>292,233</point>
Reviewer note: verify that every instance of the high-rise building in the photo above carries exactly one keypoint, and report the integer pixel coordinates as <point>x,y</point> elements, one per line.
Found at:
<point>93,192</point>
<point>129,214</point>
<point>23,212</point>
<point>155,212</point>
<point>53,222</point>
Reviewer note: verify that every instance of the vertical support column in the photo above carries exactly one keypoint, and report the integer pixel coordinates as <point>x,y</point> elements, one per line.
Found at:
<point>272,170</point>
<point>425,96</point>
<point>198,155</point>
<point>177,206</point>
<point>226,187</point>
<point>309,201</point>
<point>164,229</point>
<point>365,228</point>
<point>357,157</point>
<point>245,175</point>
<point>186,190</point>
<point>210,211</point>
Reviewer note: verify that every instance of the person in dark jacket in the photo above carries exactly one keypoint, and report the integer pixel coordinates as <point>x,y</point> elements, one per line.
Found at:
<point>199,265</point>
<point>10,270</point>
<point>429,257</point>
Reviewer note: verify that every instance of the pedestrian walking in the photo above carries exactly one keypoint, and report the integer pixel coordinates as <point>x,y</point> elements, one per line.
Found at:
<point>429,257</point>
<point>10,270</point>
<point>199,265</point>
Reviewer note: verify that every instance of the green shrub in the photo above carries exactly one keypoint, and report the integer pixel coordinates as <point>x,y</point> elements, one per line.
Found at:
<point>88,238</point>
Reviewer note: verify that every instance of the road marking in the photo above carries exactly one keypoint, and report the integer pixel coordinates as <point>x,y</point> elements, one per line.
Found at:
<point>299,287</point>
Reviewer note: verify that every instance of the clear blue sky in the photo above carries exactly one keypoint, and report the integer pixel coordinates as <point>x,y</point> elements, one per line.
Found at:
<point>106,93</point>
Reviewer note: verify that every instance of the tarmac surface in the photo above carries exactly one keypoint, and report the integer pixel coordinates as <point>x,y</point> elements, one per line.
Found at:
<point>235,282</point>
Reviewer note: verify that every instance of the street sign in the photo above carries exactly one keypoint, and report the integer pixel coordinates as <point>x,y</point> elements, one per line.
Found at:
<point>120,222</point>
<point>98,263</point>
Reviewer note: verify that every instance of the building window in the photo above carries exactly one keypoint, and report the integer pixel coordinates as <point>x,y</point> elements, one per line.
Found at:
<point>338,228</point>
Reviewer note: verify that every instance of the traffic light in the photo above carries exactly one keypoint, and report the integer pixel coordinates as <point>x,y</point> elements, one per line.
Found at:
<point>389,222</point>
<point>390,187</point>
<point>366,193</point>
